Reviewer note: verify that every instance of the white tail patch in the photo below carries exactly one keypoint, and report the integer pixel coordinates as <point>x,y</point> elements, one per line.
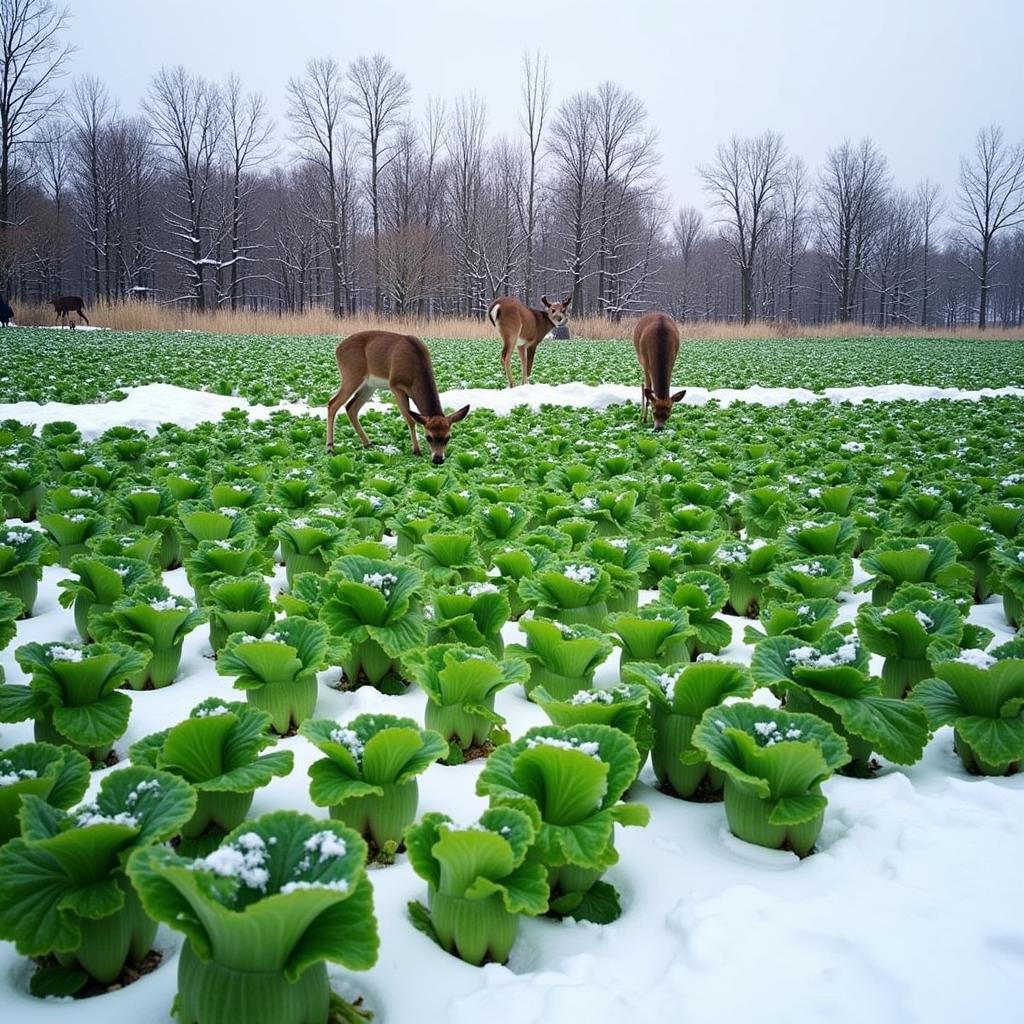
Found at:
<point>492,314</point>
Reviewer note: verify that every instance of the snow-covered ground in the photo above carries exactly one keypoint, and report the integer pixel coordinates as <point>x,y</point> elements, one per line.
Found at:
<point>910,911</point>
<point>148,406</point>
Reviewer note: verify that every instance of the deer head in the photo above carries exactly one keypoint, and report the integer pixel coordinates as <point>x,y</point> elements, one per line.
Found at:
<point>662,407</point>
<point>438,430</point>
<point>558,312</point>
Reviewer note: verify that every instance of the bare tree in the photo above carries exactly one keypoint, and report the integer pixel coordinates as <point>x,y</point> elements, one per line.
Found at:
<point>315,105</point>
<point>991,199</point>
<point>377,95</point>
<point>250,143</point>
<point>793,202</point>
<point>464,143</point>
<point>851,193</point>
<point>187,117</point>
<point>536,95</point>
<point>744,180</point>
<point>930,208</point>
<point>687,231</point>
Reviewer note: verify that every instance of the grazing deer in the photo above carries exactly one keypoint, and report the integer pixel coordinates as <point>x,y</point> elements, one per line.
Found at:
<point>6,312</point>
<point>65,304</point>
<point>377,359</point>
<point>656,339</point>
<point>524,329</point>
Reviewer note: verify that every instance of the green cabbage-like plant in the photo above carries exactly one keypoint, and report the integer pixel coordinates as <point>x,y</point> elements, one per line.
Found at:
<point>367,514</point>
<point>212,560</point>
<point>571,592</point>
<point>817,577</point>
<point>239,605</point>
<point>57,775</point>
<point>154,621</point>
<point>575,776</point>
<point>615,513</point>
<point>774,763</point>
<point>480,881</point>
<point>699,550</point>
<point>10,610</point>
<point>153,509</point>
<point>975,546</point>
<point>900,560</point>
<point>460,684</point>
<point>277,671</point>
<point>981,695</point>
<point>808,620</point>
<point>746,568</point>
<point>765,511</point>
<point>658,633</point>
<point>472,614</point>
<point>680,694</point>
<point>410,525</point>
<point>1009,565</point>
<point>21,486</point>
<point>368,776</point>
<point>623,707</point>
<point>261,915</point>
<point>217,751</point>
<point>663,560</point>
<point>515,563</point>
<point>702,595</point>
<point>23,552</point>
<point>101,581</point>
<point>814,538</point>
<point>198,522</point>
<point>63,888</point>
<point>625,561</point>
<point>499,524</point>
<point>374,607</point>
<point>562,659</point>
<point>904,632</point>
<point>72,695</point>
<point>307,544</point>
<point>305,598</point>
<point>450,558</point>
<point>70,531</point>
<point>128,543</point>
<point>831,680</point>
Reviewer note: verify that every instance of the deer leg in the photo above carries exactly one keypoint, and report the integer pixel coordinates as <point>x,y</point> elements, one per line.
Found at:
<point>403,405</point>
<point>356,403</point>
<point>645,387</point>
<point>81,313</point>
<point>341,397</point>
<point>506,356</point>
<point>523,358</point>
<point>531,354</point>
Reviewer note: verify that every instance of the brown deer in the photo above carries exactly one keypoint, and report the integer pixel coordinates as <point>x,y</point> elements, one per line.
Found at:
<point>524,329</point>
<point>656,339</point>
<point>69,304</point>
<point>376,359</point>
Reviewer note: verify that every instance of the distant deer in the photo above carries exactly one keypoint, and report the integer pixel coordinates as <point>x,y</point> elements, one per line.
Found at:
<point>656,339</point>
<point>6,312</point>
<point>524,329</point>
<point>69,304</point>
<point>377,359</point>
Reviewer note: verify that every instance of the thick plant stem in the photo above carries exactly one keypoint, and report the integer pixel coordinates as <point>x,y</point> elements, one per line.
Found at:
<point>474,930</point>
<point>901,675</point>
<point>976,765</point>
<point>748,814</point>
<point>672,735</point>
<point>24,586</point>
<point>217,810</point>
<point>560,687</point>
<point>288,703</point>
<point>383,818</point>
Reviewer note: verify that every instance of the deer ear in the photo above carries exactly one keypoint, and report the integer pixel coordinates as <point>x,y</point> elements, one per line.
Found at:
<point>545,300</point>
<point>417,417</point>
<point>567,301</point>
<point>460,415</point>
<point>679,395</point>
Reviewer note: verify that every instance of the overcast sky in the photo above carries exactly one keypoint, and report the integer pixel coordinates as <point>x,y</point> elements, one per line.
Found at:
<point>919,76</point>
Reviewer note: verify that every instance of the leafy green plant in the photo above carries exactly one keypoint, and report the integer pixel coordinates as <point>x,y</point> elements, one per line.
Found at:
<point>450,558</point>
<point>472,614</point>
<point>821,576</point>
<point>1009,564</point>
<point>571,592</point>
<point>70,531</point>
<point>217,751</point>
<point>808,620</point>
<point>101,581</point>
<point>625,560</point>
<point>831,680</point>
<point>239,605</point>
<point>153,509</point>
<point>72,696</point>
<point>680,694</point>
<point>975,546</point>
<point>199,522</point>
<point>981,695</point>
<point>307,544</point>
<point>562,659</point>
<point>63,889</point>
<point>575,777</point>
<point>460,684</point>
<point>900,560</point>
<point>658,633</point>
<point>212,560</point>
<point>702,595</point>
<point>774,763</point>
<point>374,608</point>
<point>746,568</point>
<point>23,553</point>
<point>813,538</point>
<point>261,915</point>
<point>367,777</point>
<point>278,670</point>
<point>480,881</point>
<point>57,775</point>
<point>154,621</point>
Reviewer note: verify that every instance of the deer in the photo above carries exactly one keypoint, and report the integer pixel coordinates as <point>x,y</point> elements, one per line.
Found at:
<point>65,304</point>
<point>369,360</point>
<point>523,328</point>
<point>656,339</point>
<point>6,311</point>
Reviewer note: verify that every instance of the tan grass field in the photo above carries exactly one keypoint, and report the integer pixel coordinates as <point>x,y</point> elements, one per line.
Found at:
<point>144,316</point>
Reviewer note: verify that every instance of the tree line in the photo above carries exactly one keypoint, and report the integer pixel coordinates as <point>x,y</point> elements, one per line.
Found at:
<point>364,201</point>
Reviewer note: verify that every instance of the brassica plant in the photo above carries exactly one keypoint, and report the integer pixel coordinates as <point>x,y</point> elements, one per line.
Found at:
<point>57,775</point>
<point>900,560</point>
<point>981,695</point>
<point>239,605</point>
<point>217,751</point>
<point>805,578</point>
<point>480,881</point>
<point>101,581</point>
<point>657,633</point>
<point>831,680</point>
<point>562,659</point>
<point>450,558</point>
<point>23,552</point>
<point>212,560</point>
<point>72,696</point>
<point>571,592</point>
<point>63,888</point>
<point>472,614</point>
<point>575,776</point>
<point>680,694</point>
<point>806,620</point>
<point>746,568</point>
<point>71,530</point>
<point>261,915</point>
<point>367,777</point>
<point>702,595</point>
<point>278,670</point>
<point>1009,564</point>
<point>625,561</point>
<point>774,763</point>
<point>307,544</point>
<point>153,509</point>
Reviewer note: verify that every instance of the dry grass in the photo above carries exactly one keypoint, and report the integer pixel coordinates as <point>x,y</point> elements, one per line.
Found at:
<point>144,316</point>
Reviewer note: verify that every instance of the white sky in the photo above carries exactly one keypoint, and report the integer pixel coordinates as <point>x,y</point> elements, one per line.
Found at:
<point>919,76</point>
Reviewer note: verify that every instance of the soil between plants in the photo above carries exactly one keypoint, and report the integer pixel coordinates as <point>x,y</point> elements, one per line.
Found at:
<point>132,972</point>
